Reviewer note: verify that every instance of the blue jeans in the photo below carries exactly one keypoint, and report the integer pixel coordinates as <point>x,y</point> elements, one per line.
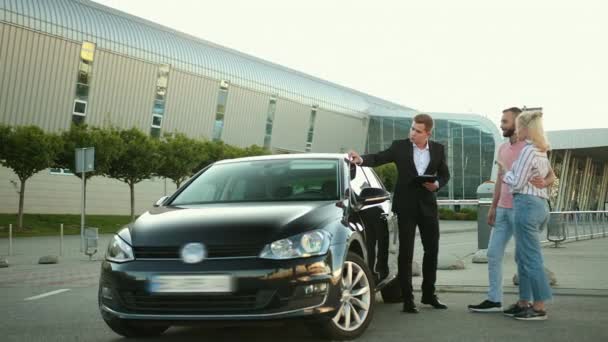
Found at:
<point>499,238</point>
<point>531,213</point>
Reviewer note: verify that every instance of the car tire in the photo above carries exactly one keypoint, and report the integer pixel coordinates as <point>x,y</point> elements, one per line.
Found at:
<point>391,293</point>
<point>359,298</point>
<point>133,328</point>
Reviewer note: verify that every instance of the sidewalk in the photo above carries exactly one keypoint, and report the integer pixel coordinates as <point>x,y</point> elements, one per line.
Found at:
<point>580,266</point>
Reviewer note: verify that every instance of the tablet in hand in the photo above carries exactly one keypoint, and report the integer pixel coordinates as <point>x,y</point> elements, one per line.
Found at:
<point>425,179</point>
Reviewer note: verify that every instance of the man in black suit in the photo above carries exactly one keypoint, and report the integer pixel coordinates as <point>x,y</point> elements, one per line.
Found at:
<point>415,204</point>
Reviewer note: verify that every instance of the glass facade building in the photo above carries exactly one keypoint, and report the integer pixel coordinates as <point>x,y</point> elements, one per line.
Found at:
<point>470,142</point>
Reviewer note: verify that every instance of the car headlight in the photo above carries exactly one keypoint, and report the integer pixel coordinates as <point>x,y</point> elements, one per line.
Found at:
<point>303,245</point>
<point>119,250</point>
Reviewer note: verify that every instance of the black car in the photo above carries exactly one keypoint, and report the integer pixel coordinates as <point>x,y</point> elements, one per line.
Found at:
<point>258,238</point>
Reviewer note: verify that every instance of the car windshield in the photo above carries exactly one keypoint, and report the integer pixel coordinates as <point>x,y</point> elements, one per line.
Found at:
<point>264,180</point>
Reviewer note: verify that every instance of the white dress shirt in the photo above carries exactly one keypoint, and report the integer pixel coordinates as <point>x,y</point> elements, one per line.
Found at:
<point>422,158</point>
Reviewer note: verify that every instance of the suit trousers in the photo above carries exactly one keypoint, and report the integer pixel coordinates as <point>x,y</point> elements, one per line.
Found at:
<point>429,235</point>
<point>376,235</point>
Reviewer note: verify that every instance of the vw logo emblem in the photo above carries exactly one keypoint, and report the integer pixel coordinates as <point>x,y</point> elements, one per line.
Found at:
<point>193,253</point>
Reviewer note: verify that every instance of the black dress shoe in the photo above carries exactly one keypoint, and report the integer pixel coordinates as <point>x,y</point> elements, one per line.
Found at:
<point>434,302</point>
<point>410,308</point>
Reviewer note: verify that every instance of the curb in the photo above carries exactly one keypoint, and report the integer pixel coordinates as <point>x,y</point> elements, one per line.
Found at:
<point>571,292</point>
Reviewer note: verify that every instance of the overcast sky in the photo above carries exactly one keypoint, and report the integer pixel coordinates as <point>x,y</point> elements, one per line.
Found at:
<point>468,56</point>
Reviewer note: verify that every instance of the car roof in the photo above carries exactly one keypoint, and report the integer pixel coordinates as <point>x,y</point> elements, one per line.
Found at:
<point>289,156</point>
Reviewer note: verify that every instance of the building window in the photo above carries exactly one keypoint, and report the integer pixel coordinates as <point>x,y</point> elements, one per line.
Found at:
<point>272,107</point>
<point>156,121</point>
<point>220,112</point>
<point>87,52</point>
<point>311,128</point>
<point>83,82</point>
<point>80,108</point>
<point>158,109</point>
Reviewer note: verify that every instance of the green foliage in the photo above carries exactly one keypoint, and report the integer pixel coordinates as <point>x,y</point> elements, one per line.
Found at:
<point>27,150</point>
<point>255,150</point>
<point>4,133</point>
<point>48,224</point>
<point>465,214</point>
<point>137,160</point>
<point>106,142</point>
<point>179,156</point>
<point>388,175</point>
<point>127,155</point>
<point>218,150</point>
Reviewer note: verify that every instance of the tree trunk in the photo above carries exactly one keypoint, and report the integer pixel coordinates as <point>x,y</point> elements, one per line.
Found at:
<point>178,183</point>
<point>21,199</point>
<point>132,188</point>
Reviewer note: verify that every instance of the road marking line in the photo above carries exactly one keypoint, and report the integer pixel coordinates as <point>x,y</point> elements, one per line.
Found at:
<point>47,294</point>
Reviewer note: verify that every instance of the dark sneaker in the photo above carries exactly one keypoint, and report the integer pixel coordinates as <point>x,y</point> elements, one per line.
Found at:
<point>514,310</point>
<point>529,314</point>
<point>486,306</point>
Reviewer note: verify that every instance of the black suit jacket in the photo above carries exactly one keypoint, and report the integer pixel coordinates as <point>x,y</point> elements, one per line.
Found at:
<point>411,197</point>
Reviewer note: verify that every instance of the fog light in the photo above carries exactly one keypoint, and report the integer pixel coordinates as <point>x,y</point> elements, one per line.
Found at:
<point>309,289</point>
<point>320,288</point>
<point>106,293</point>
<point>314,289</point>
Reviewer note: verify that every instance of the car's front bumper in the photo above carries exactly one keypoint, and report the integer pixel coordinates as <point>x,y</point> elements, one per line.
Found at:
<point>265,289</point>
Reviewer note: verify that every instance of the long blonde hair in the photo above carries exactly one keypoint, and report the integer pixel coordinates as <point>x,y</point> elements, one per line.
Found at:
<point>533,122</point>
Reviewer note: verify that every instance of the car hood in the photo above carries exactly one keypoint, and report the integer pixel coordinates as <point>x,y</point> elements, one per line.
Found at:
<point>230,224</point>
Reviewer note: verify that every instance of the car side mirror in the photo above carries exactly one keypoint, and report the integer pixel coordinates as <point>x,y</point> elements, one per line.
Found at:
<point>371,196</point>
<point>160,201</point>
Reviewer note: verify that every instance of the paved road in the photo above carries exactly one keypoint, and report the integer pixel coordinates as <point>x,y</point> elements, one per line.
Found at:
<point>578,313</point>
<point>73,316</point>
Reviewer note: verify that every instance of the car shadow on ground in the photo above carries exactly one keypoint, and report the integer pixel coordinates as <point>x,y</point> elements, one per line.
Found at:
<point>273,331</point>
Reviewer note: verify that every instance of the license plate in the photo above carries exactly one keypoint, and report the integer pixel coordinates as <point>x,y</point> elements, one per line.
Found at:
<point>191,284</point>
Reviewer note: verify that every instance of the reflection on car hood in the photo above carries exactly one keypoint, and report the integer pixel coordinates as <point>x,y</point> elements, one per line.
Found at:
<point>230,223</point>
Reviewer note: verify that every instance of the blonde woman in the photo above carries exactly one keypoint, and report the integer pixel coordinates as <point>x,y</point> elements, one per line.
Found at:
<point>531,212</point>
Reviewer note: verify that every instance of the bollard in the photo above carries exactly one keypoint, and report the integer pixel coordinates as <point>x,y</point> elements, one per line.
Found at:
<point>10,239</point>
<point>61,240</point>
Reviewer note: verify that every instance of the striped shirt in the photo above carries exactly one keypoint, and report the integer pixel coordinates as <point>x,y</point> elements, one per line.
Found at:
<point>530,163</point>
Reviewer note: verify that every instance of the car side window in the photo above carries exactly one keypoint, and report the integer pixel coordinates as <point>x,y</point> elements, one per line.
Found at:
<point>360,182</point>
<point>373,178</point>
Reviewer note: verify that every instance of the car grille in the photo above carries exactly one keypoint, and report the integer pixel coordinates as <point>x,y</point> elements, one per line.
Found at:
<point>213,251</point>
<point>199,303</point>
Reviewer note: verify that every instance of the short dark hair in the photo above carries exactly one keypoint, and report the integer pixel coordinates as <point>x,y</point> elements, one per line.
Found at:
<point>425,119</point>
<point>515,110</point>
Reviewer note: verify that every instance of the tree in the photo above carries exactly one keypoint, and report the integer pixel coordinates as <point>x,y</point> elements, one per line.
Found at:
<point>179,156</point>
<point>27,150</point>
<point>212,152</point>
<point>105,141</point>
<point>4,132</point>
<point>136,161</point>
<point>255,150</point>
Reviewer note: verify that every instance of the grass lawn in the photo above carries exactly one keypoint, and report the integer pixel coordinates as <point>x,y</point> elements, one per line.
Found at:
<point>47,224</point>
